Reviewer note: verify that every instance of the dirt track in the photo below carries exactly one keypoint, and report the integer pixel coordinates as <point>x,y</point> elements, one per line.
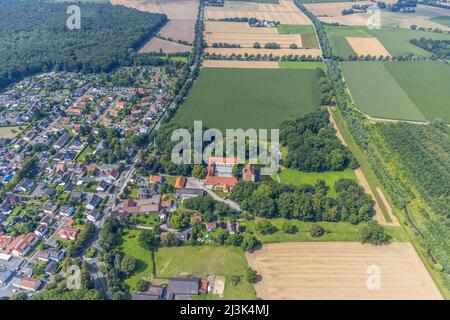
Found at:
<point>339,270</point>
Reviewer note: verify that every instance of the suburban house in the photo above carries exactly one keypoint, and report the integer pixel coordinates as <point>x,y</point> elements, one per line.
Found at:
<point>25,185</point>
<point>24,245</point>
<point>155,179</point>
<point>248,173</point>
<point>51,255</point>
<point>41,230</point>
<point>94,215</point>
<point>220,173</point>
<point>49,208</point>
<point>182,288</point>
<point>94,202</point>
<point>61,142</point>
<point>68,233</point>
<point>66,211</point>
<point>28,284</point>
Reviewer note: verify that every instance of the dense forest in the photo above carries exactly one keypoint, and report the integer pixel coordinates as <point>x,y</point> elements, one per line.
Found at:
<point>313,146</point>
<point>308,203</point>
<point>41,41</point>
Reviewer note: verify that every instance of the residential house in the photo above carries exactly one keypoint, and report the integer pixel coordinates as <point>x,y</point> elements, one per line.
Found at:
<point>102,186</point>
<point>66,211</point>
<point>25,185</point>
<point>47,220</point>
<point>155,179</point>
<point>25,245</point>
<point>180,182</point>
<point>28,284</point>
<point>220,173</point>
<point>41,230</point>
<point>50,268</point>
<point>94,202</point>
<point>68,233</point>
<point>61,142</point>
<point>94,215</point>
<point>210,226</point>
<point>50,208</point>
<point>51,255</point>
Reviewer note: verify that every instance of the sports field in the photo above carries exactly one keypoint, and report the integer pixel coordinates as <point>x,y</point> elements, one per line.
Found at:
<point>249,98</point>
<point>400,90</point>
<point>395,40</point>
<point>341,270</point>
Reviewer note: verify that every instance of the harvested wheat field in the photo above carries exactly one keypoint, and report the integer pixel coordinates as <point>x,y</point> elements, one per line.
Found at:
<point>332,9</point>
<point>341,271</point>
<point>246,40</point>
<point>182,15</point>
<point>179,30</point>
<point>156,45</point>
<point>285,12</point>
<point>236,27</point>
<point>367,46</point>
<point>240,64</point>
<point>275,52</point>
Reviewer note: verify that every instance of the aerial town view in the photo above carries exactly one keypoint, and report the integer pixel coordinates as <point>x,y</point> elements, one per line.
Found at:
<point>224,150</point>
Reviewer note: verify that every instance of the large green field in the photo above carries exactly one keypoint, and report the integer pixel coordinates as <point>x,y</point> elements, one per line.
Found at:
<point>296,177</point>
<point>206,260</point>
<point>249,98</point>
<point>301,65</point>
<point>395,40</point>
<point>400,90</point>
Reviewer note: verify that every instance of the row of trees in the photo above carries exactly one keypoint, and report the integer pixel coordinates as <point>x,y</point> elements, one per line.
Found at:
<point>306,202</point>
<point>439,48</point>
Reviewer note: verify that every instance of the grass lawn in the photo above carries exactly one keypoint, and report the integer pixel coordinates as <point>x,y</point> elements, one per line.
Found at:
<point>395,40</point>
<point>334,231</point>
<point>9,132</point>
<point>87,150</point>
<point>301,65</point>
<point>249,98</point>
<point>309,38</point>
<point>202,261</point>
<point>296,177</point>
<point>130,246</point>
<point>411,90</point>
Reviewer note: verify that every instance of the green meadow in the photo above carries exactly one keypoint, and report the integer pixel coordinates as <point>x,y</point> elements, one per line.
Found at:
<point>249,98</point>
<point>414,90</point>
